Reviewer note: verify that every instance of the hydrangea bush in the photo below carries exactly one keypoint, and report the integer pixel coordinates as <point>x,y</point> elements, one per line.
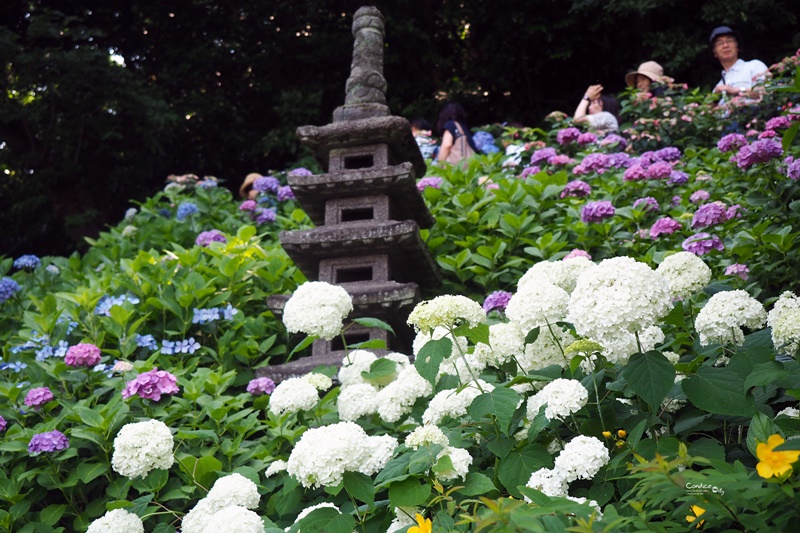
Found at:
<point>615,354</point>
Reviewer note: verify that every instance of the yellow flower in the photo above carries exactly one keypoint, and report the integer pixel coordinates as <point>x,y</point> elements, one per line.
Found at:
<point>607,434</point>
<point>622,433</point>
<point>697,511</point>
<point>773,463</point>
<point>424,525</point>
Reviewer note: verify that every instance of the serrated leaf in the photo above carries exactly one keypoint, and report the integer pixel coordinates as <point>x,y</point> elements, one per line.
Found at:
<point>476,484</point>
<point>325,520</point>
<point>408,492</point>
<point>431,356</point>
<point>500,402</point>
<point>650,375</point>
<point>717,390</point>
<point>516,469</point>
<point>764,374</point>
<point>360,487</point>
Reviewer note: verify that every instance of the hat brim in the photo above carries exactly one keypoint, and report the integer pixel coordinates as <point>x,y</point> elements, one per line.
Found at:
<point>630,77</point>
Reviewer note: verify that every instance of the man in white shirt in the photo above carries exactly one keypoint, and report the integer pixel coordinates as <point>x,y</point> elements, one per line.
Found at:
<point>738,76</point>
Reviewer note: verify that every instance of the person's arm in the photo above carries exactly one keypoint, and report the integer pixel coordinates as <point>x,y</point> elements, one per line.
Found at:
<point>592,93</point>
<point>447,144</point>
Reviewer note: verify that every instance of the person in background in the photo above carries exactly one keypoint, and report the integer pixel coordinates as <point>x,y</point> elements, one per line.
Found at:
<point>421,130</point>
<point>738,76</point>
<point>246,189</point>
<point>457,144</point>
<point>598,110</point>
<point>647,79</point>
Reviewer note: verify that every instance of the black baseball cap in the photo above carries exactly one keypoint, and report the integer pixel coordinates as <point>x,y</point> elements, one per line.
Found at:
<point>722,30</point>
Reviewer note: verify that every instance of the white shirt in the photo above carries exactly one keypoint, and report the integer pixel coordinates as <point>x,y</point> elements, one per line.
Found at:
<point>742,74</point>
<point>603,121</point>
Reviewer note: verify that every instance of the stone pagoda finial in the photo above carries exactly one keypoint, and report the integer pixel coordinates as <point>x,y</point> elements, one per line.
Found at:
<point>365,91</point>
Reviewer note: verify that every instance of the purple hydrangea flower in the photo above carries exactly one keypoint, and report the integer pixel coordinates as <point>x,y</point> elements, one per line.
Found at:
<point>38,397</point>
<point>7,288</point>
<point>248,205</point>
<point>207,237</point>
<point>542,155</point>
<point>497,300</point>
<point>83,354</point>
<point>186,209</point>
<point>635,173</point>
<point>560,160</point>
<point>266,215</point>
<point>731,142</point>
<point>577,253</point>
<point>777,123</point>
<point>26,262</point>
<point>431,181</point>
<point>3,424</point>
<point>676,201</point>
<point>586,138</point>
<point>670,153</point>
<point>266,184</point>
<point>647,204</point>
<point>677,177</point>
<point>733,212</point>
<point>50,441</point>
<point>659,170</point>
<point>146,341</point>
<point>792,172</point>
<point>151,385</point>
<point>664,226</point>
<point>759,151</point>
<point>738,269</point>
<point>614,140</point>
<point>597,211</point>
<point>576,188</point>
<point>702,243</point>
<point>596,162</point>
<point>300,171</point>
<point>529,171</point>
<point>285,192</point>
<point>260,386</point>
<point>709,215</point>
<point>619,160</point>
<point>769,134</point>
<point>567,135</point>
<point>700,196</point>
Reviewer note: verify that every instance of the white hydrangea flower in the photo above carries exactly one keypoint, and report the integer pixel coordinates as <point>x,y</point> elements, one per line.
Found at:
<point>320,381</point>
<point>353,365</point>
<point>446,311</point>
<point>453,402</point>
<point>465,367</point>
<point>324,454</point>
<point>274,467</point>
<point>672,357</point>
<point>426,435</point>
<point>547,349</point>
<point>791,412</point>
<point>461,460</point>
<point>293,395</point>
<point>722,318</point>
<point>130,213</point>
<point>548,481</point>
<point>506,340</point>
<point>590,503</point>
<point>563,274</point>
<point>307,511</point>
<point>129,230</point>
<point>670,404</point>
<point>317,308</point>
<point>117,521</point>
<point>196,519</point>
<point>686,274</point>
<point>620,293</point>
<point>234,489</point>
<point>356,401</point>
<point>582,458</point>
<point>620,344</point>
<point>537,304</point>
<point>562,398</point>
<point>402,360</point>
<point>784,319</point>
<point>234,519</point>
<point>141,447</point>
<point>397,398</point>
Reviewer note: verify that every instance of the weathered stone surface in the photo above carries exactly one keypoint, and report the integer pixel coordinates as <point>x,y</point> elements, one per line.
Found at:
<point>409,257</point>
<point>397,182</point>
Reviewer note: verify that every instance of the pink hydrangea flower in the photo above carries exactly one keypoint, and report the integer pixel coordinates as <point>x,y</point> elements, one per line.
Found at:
<point>702,243</point>
<point>635,173</point>
<point>699,197</point>
<point>737,269</point>
<point>659,170</point>
<point>248,205</point>
<point>709,215</point>
<point>259,386</point>
<point>207,237</point>
<point>664,226</point>
<point>577,253</point>
<point>529,171</point>
<point>83,354</point>
<point>151,385</point>
<point>431,181</point>
<point>38,397</point>
<point>576,188</point>
<point>597,211</point>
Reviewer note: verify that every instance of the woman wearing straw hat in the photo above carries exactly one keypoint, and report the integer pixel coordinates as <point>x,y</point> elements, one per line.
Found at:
<point>647,78</point>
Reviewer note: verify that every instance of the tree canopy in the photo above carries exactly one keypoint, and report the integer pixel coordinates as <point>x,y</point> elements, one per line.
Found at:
<point>104,99</point>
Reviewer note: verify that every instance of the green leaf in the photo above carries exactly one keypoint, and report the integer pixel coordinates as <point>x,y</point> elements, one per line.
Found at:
<point>478,334</point>
<point>516,469</point>
<point>246,232</point>
<point>373,323</point>
<point>500,402</point>
<point>532,335</point>
<point>476,484</point>
<point>381,372</point>
<point>203,470</point>
<point>431,356</point>
<point>424,458</point>
<point>360,487</point>
<point>89,471</point>
<point>650,375</point>
<point>764,374</point>
<point>760,429</point>
<point>51,514</point>
<point>717,390</point>
<point>408,493</point>
<point>305,343</point>
<point>325,520</point>
<point>443,465</point>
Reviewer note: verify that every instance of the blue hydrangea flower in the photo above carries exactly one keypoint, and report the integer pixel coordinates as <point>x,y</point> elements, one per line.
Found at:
<point>204,316</point>
<point>7,288</point>
<point>208,183</point>
<point>105,304</point>
<point>266,215</point>
<point>266,184</point>
<point>45,352</point>
<point>168,347</point>
<point>146,341</point>
<point>187,346</point>
<point>16,366</point>
<point>53,269</point>
<point>164,212</point>
<point>105,368</point>
<point>26,262</point>
<point>61,349</point>
<point>186,209</point>
<point>228,312</point>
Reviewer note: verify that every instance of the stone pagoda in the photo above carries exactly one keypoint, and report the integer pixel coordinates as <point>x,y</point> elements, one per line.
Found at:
<point>366,208</point>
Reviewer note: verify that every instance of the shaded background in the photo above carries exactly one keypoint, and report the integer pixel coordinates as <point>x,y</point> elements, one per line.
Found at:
<point>214,87</point>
